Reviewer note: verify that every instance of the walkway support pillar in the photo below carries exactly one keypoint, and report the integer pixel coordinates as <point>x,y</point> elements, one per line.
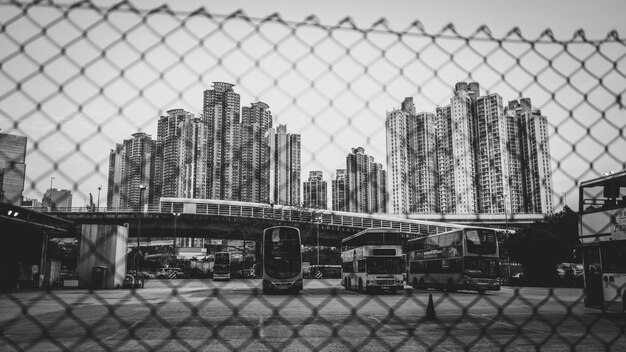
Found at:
<point>102,256</point>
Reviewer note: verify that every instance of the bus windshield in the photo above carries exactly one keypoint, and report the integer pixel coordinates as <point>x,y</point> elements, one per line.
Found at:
<point>609,193</point>
<point>282,251</point>
<point>481,241</point>
<point>222,258</point>
<point>481,267</point>
<point>384,265</point>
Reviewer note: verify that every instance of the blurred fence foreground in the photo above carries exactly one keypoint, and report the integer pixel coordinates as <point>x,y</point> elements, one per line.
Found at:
<point>77,78</point>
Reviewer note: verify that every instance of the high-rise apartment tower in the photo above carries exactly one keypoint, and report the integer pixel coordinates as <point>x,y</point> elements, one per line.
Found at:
<point>315,191</point>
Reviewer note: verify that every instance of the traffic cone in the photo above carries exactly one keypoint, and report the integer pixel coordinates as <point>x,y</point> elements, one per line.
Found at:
<point>430,309</point>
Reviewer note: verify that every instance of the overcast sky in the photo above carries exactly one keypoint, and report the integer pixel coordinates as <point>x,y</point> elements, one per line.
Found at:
<point>336,99</point>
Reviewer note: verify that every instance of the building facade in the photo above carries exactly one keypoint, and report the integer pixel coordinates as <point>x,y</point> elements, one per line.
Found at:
<point>463,157</point>
<point>285,166</point>
<point>12,168</point>
<point>57,200</point>
<point>366,181</point>
<point>221,111</point>
<point>340,191</point>
<point>423,163</point>
<point>131,169</point>
<point>181,152</point>
<point>398,149</point>
<point>471,156</point>
<point>254,154</point>
<point>530,161</point>
<point>492,157</point>
<point>315,191</point>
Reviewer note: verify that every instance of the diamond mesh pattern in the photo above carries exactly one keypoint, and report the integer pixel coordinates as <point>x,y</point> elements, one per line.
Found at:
<point>77,78</point>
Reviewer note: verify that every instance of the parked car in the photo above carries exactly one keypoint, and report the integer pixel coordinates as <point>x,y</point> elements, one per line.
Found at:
<point>579,280</point>
<point>132,281</point>
<point>147,275</point>
<point>516,279</point>
<point>578,269</point>
<point>565,271</point>
<point>170,273</point>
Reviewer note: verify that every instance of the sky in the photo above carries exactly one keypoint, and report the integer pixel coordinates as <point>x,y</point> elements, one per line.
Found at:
<point>332,87</point>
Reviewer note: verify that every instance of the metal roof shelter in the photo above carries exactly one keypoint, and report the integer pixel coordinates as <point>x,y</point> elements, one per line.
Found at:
<point>15,218</point>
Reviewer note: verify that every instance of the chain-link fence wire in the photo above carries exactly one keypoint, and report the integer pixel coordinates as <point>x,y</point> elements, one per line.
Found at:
<point>78,78</point>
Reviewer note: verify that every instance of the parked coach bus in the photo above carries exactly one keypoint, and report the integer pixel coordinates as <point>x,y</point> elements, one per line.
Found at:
<point>372,260</point>
<point>221,267</point>
<point>282,260</point>
<point>602,231</point>
<point>462,259</point>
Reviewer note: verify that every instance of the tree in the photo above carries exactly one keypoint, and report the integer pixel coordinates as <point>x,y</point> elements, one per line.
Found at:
<point>538,251</point>
<point>564,225</point>
<point>540,246</point>
<point>64,252</point>
<point>328,255</point>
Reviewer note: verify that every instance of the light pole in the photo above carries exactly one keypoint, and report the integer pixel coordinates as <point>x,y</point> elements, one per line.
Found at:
<point>50,194</point>
<point>141,189</point>
<point>317,225</point>
<point>506,229</point>
<point>176,215</point>
<point>243,256</point>
<point>318,244</point>
<point>99,188</point>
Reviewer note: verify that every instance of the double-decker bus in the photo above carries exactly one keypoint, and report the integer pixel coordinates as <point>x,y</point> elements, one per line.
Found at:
<point>282,259</point>
<point>372,260</point>
<point>602,233</point>
<point>221,267</point>
<point>461,259</point>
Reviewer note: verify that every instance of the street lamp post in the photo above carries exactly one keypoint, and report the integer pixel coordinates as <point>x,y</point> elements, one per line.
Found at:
<point>50,194</point>
<point>141,189</point>
<point>176,215</point>
<point>317,225</point>
<point>243,256</point>
<point>99,188</point>
<point>506,229</point>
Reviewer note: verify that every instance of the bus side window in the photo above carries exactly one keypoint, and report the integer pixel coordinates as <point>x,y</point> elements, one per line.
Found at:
<point>446,240</point>
<point>361,267</point>
<point>457,239</point>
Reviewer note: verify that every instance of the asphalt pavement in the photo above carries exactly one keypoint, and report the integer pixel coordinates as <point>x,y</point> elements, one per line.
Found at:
<point>186,315</point>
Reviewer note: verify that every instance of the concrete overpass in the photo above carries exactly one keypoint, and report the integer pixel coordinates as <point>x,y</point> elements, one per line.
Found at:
<point>179,217</point>
<point>203,218</point>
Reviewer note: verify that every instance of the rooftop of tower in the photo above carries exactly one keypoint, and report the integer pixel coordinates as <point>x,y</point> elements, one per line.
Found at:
<point>261,104</point>
<point>225,85</point>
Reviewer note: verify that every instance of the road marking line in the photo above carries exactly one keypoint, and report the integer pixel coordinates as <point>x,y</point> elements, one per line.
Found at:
<point>261,334</point>
<point>387,326</point>
<point>507,324</point>
<point>132,326</point>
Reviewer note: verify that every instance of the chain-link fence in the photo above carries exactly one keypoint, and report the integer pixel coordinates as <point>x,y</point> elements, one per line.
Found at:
<point>77,79</point>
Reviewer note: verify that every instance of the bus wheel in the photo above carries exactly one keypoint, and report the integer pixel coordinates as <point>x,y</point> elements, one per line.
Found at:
<point>422,284</point>
<point>415,285</point>
<point>349,284</point>
<point>450,286</point>
<point>361,285</point>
